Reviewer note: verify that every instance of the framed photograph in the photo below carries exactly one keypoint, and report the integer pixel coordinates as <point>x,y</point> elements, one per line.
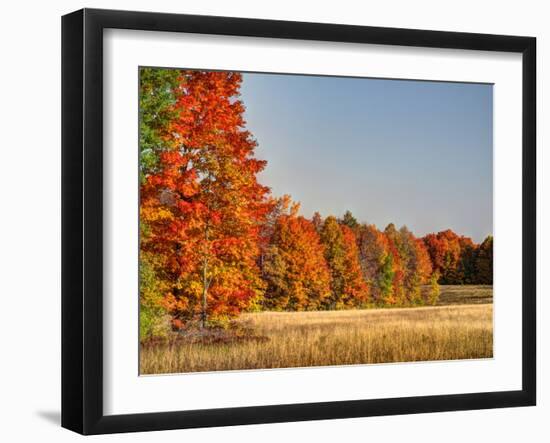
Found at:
<point>268,221</point>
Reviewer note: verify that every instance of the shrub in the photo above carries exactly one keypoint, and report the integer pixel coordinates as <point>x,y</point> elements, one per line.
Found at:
<point>434,290</point>
<point>153,323</point>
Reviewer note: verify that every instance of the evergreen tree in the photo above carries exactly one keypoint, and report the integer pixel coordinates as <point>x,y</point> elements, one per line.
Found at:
<point>349,220</point>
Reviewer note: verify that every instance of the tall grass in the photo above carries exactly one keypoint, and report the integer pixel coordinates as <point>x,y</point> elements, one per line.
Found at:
<point>464,294</point>
<point>300,339</point>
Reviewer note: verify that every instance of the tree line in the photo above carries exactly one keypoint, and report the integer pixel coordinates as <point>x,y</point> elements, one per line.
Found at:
<point>215,242</point>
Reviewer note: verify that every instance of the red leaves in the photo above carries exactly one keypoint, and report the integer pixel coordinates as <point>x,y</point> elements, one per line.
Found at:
<point>204,204</point>
<point>354,285</point>
<point>452,256</point>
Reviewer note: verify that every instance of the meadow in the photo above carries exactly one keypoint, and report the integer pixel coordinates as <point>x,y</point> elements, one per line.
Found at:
<point>459,327</point>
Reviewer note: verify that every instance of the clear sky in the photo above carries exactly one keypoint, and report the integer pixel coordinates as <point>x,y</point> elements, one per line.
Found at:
<point>413,153</point>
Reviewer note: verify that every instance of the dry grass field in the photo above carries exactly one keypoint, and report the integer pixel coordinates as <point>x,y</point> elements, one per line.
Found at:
<point>464,294</point>
<point>297,339</point>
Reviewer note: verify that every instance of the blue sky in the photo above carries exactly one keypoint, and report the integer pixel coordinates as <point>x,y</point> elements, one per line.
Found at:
<point>413,153</point>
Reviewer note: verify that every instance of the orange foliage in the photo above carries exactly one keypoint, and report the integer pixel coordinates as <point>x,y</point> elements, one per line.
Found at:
<point>295,270</point>
<point>452,257</point>
<point>355,286</point>
<point>204,206</point>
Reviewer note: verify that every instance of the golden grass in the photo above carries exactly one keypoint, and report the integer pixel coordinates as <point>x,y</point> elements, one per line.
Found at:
<point>302,339</point>
<point>463,294</point>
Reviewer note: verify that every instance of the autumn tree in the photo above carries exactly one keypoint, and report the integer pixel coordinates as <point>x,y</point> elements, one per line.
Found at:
<point>454,257</point>
<point>467,262</point>
<point>317,221</point>
<point>355,287</point>
<point>371,245</point>
<point>376,264</point>
<point>395,262</point>
<point>385,280</point>
<point>278,207</point>
<point>415,263</point>
<point>406,246</point>
<point>399,263</point>
<point>334,248</point>
<point>381,263</point>
<point>436,248</point>
<point>204,204</point>
<point>444,249</point>
<point>295,271</point>
<point>424,264</point>
<point>347,285</point>
<point>484,262</point>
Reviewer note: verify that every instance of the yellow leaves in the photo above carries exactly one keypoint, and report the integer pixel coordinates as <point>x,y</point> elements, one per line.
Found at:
<point>155,214</point>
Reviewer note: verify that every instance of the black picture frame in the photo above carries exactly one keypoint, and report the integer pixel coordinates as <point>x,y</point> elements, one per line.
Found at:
<point>82,218</point>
